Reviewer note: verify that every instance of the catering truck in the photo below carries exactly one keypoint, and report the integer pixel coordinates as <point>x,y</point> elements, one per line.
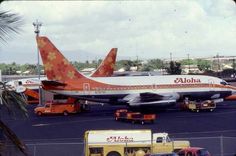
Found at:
<point>129,143</point>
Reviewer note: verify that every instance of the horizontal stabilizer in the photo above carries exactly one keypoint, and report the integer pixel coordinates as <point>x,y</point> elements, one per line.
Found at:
<point>52,83</point>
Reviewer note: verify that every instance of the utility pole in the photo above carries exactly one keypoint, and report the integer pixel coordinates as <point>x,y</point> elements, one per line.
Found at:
<point>218,65</point>
<point>37,26</point>
<point>170,56</point>
<point>188,64</point>
<point>234,63</point>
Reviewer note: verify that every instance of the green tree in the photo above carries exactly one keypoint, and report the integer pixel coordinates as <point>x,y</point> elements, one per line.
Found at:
<point>174,68</point>
<point>126,64</point>
<point>9,23</point>
<point>203,65</point>
<point>153,64</point>
<point>188,62</point>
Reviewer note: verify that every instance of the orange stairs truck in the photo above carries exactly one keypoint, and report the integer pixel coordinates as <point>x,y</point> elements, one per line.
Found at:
<point>58,107</point>
<point>129,143</point>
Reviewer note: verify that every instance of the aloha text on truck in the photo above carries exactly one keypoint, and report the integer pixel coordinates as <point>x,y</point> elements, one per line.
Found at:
<point>129,142</point>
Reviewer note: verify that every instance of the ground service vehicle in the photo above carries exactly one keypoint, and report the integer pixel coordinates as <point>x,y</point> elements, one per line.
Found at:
<point>58,108</point>
<point>125,115</point>
<point>199,105</point>
<point>129,142</point>
<point>194,151</point>
<point>163,154</point>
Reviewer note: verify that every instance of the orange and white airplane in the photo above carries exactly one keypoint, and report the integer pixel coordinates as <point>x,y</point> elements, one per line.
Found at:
<point>134,91</point>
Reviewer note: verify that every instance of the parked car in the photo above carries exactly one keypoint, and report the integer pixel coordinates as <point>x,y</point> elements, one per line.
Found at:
<point>162,154</point>
<point>194,151</point>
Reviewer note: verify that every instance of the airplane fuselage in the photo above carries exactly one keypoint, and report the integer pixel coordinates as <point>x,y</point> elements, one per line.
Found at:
<point>170,88</point>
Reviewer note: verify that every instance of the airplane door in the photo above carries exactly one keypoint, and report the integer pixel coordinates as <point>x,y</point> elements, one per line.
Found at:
<point>154,87</point>
<point>86,88</point>
<point>211,84</point>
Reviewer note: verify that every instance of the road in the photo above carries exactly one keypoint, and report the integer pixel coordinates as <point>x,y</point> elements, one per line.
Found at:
<point>179,124</point>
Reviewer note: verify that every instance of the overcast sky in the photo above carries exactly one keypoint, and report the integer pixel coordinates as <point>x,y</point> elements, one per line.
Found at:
<point>144,29</point>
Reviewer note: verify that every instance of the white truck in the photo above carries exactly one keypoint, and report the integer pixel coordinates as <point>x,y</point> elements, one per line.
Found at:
<point>129,143</point>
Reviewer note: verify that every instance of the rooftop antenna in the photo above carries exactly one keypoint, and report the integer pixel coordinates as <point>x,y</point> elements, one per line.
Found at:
<point>37,26</point>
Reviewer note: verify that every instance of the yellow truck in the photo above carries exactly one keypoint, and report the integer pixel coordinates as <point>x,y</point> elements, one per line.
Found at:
<point>129,143</point>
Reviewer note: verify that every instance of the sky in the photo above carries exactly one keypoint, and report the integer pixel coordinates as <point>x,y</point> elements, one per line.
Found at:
<point>87,30</point>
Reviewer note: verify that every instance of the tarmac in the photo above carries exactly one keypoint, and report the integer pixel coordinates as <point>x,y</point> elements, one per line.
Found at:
<point>204,129</point>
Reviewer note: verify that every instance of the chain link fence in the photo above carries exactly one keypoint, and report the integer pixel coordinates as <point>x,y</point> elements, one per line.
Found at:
<point>217,146</point>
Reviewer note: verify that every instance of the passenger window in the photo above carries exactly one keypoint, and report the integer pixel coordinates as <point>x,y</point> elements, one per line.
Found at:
<point>159,140</point>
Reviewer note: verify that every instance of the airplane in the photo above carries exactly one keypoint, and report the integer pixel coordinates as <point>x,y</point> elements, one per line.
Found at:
<point>132,91</point>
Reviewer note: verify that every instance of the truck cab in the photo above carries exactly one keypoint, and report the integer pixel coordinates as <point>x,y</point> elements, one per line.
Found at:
<point>162,143</point>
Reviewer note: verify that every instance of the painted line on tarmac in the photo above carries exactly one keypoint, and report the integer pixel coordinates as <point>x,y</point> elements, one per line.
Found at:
<point>195,114</point>
<point>57,139</point>
<point>68,122</point>
<point>39,125</point>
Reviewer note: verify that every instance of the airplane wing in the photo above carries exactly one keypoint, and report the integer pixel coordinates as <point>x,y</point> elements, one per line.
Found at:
<point>149,98</point>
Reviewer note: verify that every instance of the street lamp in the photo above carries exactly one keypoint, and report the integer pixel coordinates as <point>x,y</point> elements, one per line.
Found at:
<point>37,26</point>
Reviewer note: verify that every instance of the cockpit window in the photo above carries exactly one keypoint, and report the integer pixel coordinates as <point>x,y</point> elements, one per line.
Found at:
<point>223,83</point>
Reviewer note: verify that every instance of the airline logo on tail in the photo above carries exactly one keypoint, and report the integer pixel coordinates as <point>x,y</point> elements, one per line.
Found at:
<point>107,67</point>
<point>62,71</point>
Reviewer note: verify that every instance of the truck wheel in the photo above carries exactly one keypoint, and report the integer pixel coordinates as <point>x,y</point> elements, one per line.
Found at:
<point>113,153</point>
<point>65,113</point>
<point>140,153</point>
<point>39,113</point>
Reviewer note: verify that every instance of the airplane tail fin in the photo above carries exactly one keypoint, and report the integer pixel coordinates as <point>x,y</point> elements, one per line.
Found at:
<point>56,66</point>
<point>106,68</point>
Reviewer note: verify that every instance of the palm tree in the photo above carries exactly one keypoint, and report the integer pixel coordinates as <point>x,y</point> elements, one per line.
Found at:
<point>9,23</point>
<point>9,99</point>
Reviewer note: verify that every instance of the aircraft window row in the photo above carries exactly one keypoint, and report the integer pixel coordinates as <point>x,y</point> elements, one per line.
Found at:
<point>120,88</point>
<point>153,87</point>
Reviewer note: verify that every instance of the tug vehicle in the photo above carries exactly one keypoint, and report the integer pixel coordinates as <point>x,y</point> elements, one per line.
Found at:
<point>125,115</point>
<point>196,106</point>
